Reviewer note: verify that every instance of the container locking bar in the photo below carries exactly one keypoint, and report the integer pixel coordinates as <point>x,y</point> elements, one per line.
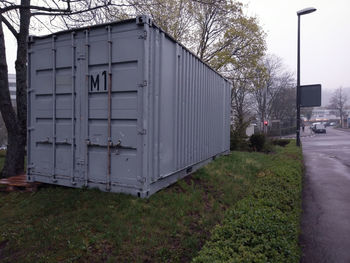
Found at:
<point>86,164</point>
<point>109,132</point>
<point>54,108</point>
<point>73,108</point>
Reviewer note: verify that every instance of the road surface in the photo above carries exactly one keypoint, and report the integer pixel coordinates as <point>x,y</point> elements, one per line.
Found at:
<point>325,222</point>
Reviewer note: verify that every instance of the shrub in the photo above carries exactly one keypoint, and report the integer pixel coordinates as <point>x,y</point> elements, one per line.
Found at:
<point>257,141</point>
<point>280,142</point>
<point>238,142</point>
<point>264,226</point>
<point>268,147</point>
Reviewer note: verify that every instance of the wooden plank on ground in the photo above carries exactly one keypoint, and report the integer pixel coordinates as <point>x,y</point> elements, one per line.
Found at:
<point>18,183</point>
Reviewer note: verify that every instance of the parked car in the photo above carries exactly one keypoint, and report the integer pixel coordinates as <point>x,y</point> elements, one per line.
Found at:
<point>319,128</point>
<point>312,127</point>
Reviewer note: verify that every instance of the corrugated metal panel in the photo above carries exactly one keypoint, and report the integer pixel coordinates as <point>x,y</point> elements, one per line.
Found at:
<point>123,108</point>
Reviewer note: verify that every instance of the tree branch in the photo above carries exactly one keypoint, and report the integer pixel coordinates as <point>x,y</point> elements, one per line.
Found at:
<point>76,12</point>
<point>9,26</point>
<point>41,8</point>
<point>44,25</point>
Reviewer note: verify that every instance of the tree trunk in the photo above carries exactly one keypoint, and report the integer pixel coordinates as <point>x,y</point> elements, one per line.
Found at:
<point>8,114</point>
<point>21,83</point>
<point>341,119</point>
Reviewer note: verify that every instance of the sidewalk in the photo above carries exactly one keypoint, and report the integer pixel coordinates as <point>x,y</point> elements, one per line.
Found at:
<point>325,224</point>
<point>343,129</point>
<point>306,133</point>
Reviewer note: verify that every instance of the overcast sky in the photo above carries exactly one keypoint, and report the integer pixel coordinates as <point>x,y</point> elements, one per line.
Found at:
<point>325,38</point>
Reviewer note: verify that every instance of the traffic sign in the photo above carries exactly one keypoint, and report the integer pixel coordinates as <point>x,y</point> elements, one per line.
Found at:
<point>310,95</point>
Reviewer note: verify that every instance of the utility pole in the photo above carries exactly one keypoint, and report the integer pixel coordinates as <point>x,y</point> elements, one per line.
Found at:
<point>300,13</point>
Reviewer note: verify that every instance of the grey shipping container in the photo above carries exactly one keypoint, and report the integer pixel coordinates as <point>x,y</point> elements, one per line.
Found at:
<point>121,107</point>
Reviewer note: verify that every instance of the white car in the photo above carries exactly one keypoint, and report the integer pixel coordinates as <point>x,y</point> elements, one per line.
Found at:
<point>319,128</point>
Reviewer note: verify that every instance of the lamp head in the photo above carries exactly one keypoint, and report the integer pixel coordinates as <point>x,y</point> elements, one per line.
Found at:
<point>306,11</point>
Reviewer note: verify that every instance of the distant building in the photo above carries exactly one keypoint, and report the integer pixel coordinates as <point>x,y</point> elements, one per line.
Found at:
<point>12,87</point>
<point>323,114</point>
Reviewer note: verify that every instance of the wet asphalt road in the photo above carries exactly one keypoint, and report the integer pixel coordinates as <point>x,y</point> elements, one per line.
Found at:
<point>325,222</point>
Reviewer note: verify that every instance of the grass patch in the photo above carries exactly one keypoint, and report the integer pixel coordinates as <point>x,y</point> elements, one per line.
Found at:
<point>77,225</point>
<point>264,226</point>
<point>58,224</point>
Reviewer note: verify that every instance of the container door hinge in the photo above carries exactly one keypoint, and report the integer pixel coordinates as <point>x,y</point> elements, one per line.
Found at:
<point>142,131</point>
<point>143,35</point>
<point>30,128</point>
<point>143,84</point>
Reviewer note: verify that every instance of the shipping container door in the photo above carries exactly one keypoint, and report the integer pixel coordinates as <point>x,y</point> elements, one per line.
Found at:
<point>51,101</point>
<point>113,106</point>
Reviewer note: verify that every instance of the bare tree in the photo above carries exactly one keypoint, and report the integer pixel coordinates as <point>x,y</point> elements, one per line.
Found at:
<point>240,100</point>
<point>266,75</point>
<point>274,90</point>
<point>338,101</point>
<point>94,12</point>
<point>283,101</point>
<point>15,123</point>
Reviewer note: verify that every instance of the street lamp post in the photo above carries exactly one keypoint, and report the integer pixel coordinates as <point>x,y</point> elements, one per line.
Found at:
<point>300,13</point>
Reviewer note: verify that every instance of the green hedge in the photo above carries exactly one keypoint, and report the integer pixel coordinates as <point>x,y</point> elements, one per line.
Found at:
<point>264,226</point>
